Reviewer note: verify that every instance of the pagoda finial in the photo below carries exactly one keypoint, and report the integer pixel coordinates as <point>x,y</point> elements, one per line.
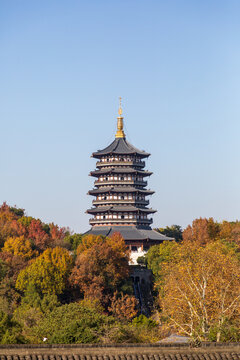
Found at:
<point>120,132</point>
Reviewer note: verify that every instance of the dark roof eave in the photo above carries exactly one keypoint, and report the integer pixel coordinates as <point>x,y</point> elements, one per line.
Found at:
<point>96,155</point>
<point>114,170</point>
<point>103,209</point>
<point>123,190</point>
<point>120,146</point>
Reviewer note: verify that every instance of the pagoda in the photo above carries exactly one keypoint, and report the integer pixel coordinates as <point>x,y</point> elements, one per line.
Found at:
<point>120,195</point>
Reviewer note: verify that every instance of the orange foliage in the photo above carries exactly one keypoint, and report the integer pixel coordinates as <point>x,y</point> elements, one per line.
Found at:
<point>230,231</point>
<point>36,233</point>
<point>7,218</point>
<point>100,267</point>
<point>202,231</point>
<point>123,307</point>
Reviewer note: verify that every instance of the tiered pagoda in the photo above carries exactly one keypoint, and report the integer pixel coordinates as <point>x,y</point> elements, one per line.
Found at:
<point>120,195</point>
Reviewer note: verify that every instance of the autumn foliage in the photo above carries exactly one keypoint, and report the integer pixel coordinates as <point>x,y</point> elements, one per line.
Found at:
<point>77,288</point>
<point>202,289</point>
<point>48,273</point>
<point>124,307</point>
<point>101,265</point>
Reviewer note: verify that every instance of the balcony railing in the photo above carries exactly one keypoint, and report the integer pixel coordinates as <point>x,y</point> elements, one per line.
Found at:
<point>121,182</point>
<point>120,201</point>
<point>94,221</point>
<point>120,163</point>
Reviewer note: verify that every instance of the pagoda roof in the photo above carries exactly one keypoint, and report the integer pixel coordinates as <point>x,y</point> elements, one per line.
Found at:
<point>119,189</point>
<point>129,232</point>
<point>122,147</point>
<point>126,170</point>
<point>113,208</point>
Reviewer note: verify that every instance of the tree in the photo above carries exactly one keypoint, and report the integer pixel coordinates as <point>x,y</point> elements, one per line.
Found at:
<point>7,218</point>
<point>174,231</point>
<point>88,241</point>
<point>48,273</point>
<point>202,231</point>
<point>202,289</point>
<point>72,323</point>
<point>38,235</point>
<point>19,246</point>
<point>123,306</point>
<point>101,266</point>
<point>230,231</point>
<point>158,257</point>
<point>73,240</point>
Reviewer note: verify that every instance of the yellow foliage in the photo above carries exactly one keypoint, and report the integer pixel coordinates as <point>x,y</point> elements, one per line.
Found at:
<point>19,246</point>
<point>48,273</point>
<point>87,242</point>
<point>202,289</point>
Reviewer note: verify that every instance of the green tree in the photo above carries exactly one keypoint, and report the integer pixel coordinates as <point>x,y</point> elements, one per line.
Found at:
<point>72,323</point>
<point>159,256</point>
<point>73,240</point>
<point>173,231</point>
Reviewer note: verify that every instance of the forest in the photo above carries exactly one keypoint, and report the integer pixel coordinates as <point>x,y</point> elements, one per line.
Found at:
<point>62,287</point>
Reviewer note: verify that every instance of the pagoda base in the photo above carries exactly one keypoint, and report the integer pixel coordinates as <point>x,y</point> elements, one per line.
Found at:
<point>138,238</point>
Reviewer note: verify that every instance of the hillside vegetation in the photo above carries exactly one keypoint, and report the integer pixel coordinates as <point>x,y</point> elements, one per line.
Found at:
<point>59,287</point>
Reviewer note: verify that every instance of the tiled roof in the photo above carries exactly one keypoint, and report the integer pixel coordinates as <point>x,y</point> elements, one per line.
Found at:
<point>122,147</point>
<point>126,170</point>
<point>129,208</point>
<point>120,189</point>
<point>121,352</point>
<point>129,232</point>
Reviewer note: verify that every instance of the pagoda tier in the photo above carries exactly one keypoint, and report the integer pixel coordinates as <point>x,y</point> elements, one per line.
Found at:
<point>120,193</point>
<point>119,189</point>
<point>124,209</point>
<point>120,146</point>
<point>119,170</point>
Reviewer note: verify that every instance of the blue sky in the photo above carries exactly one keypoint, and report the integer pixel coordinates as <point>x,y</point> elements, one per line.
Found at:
<point>63,65</point>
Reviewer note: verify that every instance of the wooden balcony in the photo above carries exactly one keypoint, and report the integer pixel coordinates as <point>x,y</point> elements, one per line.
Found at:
<point>112,222</point>
<point>120,163</point>
<point>121,182</point>
<point>120,201</point>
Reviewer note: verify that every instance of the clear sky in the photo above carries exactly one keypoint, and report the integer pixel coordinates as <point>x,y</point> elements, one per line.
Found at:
<point>63,65</point>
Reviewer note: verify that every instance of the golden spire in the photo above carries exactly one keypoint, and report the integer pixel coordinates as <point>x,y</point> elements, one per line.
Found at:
<point>120,132</point>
